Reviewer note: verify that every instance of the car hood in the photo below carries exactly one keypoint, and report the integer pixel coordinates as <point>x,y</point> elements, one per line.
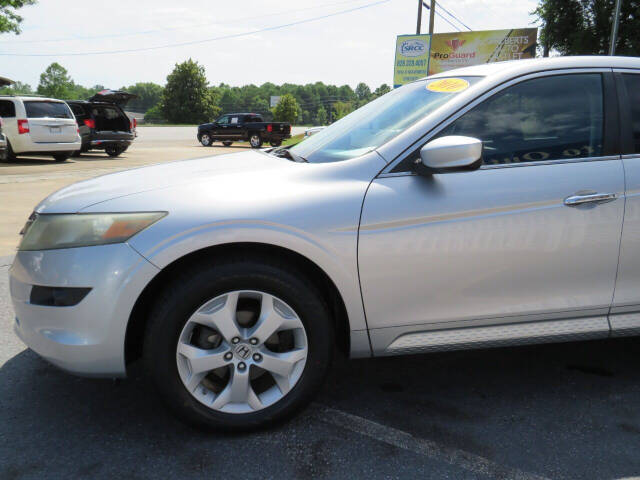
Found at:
<point>221,168</point>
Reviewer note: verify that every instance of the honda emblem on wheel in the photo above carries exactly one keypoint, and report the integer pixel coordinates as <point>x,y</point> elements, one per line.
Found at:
<point>242,351</point>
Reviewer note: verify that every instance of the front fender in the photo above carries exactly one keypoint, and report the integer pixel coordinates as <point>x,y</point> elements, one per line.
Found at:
<point>338,262</point>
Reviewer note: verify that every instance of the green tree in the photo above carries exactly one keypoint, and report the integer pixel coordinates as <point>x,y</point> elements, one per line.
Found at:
<point>186,97</point>
<point>259,105</point>
<point>17,88</point>
<point>287,109</point>
<point>321,116</point>
<point>154,115</point>
<point>9,19</point>
<point>382,90</point>
<point>55,82</point>
<point>149,95</point>
<point>342,109</point>
<point>583,27</point>
<point>78,92</point>
<point>363,92</point>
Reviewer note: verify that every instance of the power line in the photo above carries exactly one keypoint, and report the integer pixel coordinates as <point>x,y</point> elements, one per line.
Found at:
<point>195,42</point>
<point>169,29</point>
<point>453,16</point>
<point>442,16</point>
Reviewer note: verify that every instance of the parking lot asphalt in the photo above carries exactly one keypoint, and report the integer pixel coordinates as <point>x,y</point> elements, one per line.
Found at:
<point>555,411</point>
<point>30,179</point>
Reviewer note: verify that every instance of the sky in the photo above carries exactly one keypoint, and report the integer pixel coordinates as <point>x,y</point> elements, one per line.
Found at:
<point>342,48</point>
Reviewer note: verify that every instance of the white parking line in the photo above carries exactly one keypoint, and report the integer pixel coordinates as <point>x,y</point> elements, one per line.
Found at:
<point>428,448</point>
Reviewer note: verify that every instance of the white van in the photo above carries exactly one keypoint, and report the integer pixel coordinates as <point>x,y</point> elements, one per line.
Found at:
<point>38,126</point>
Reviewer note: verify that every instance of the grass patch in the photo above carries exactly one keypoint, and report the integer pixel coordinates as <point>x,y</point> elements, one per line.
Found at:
<point>293,140</point>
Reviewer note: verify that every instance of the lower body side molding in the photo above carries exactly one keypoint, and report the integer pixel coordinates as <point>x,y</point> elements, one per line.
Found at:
<point>502,335</point>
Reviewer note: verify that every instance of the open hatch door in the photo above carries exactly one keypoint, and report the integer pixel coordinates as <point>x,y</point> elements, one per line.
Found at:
<point>5,81</point>
<point>118,97</point>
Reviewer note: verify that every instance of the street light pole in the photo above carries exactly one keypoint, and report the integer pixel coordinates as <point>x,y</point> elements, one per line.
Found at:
<point>419,17</point>
<point>614,29</point>
<point>432,16</point>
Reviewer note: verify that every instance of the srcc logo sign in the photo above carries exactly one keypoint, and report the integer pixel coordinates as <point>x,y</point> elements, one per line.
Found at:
<point>413,48</point>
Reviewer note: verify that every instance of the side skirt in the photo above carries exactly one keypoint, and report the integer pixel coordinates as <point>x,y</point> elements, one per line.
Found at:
<point>500,335</point>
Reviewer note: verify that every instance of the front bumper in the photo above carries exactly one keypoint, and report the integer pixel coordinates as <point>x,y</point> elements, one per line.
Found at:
<point>88,338</point>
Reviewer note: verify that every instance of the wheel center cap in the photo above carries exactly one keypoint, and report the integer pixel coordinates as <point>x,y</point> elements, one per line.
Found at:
<point>242,351</point>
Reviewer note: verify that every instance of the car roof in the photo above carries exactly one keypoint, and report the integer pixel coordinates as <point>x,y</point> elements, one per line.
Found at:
<point>32,98</point>
<point>518,67</point>
<point>89,102</point>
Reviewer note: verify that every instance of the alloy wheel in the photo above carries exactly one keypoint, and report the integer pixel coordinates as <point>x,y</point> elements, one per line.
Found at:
<point>242,351</point>
<point>205,140</point>
<point>254,140</point>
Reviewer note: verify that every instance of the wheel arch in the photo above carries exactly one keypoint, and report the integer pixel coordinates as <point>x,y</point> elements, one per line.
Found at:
<point>137,321</point>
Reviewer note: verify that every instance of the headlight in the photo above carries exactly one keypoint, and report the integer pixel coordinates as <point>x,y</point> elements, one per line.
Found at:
<point>49,231</point>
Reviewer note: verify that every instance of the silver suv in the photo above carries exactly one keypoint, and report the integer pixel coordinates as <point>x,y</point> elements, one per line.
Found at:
<point>39,126</point>
<point>487,206</point>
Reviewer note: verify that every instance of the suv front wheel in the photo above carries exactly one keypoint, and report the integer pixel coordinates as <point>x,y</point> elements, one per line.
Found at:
<point>239,344</point>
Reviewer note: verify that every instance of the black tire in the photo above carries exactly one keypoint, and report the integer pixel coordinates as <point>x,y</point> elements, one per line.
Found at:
<point>202,282</point>
<point>275,143</point>
<point>206,140</point>
<point>226,143</point>
<point>113,150</point>
<point>11,155</point>
<point>255,140</point>
<point>76,154</point>
<point>62,156</point>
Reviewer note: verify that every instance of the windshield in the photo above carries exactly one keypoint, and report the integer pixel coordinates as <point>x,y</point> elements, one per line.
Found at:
<point>380,120</point>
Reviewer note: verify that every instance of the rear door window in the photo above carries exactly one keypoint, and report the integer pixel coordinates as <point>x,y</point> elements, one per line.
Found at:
<point>7,109</point>
<point>547,118</point>
<point>47,110</point>
<point>632,83</point>
<point>110,113</point>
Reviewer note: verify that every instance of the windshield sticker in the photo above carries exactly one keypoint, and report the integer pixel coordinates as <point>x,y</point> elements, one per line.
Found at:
<point>448,85</point>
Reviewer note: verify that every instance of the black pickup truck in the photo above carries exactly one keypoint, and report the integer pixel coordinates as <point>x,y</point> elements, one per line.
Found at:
<point>235,127</point>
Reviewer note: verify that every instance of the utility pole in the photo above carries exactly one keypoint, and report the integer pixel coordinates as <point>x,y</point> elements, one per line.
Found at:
<point>432,15</point>
<point>614,29</point>
<point>419,17</point>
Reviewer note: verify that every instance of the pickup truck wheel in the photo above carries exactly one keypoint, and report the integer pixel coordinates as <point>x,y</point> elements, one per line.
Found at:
<point>227,144</point>
<point>275,143</point>
<point>62,156</point>
<point>239,343</point>
<point>205,139</point>
<point>255,140</point>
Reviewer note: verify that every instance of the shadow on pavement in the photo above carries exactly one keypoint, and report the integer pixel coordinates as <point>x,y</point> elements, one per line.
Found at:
<point>566,410</point>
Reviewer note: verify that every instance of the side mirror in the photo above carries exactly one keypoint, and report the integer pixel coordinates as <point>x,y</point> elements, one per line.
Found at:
<point>452,152</point>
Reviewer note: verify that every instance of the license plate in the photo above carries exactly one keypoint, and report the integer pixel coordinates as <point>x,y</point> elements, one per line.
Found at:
<point>55,130</point>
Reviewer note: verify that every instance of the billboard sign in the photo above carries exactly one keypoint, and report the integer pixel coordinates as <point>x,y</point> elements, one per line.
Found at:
<point>412,58</point>
<point>274,100</point>
<point>462,49</point>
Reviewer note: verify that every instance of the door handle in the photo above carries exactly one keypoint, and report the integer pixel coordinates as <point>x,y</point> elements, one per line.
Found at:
<point>575,200</point>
